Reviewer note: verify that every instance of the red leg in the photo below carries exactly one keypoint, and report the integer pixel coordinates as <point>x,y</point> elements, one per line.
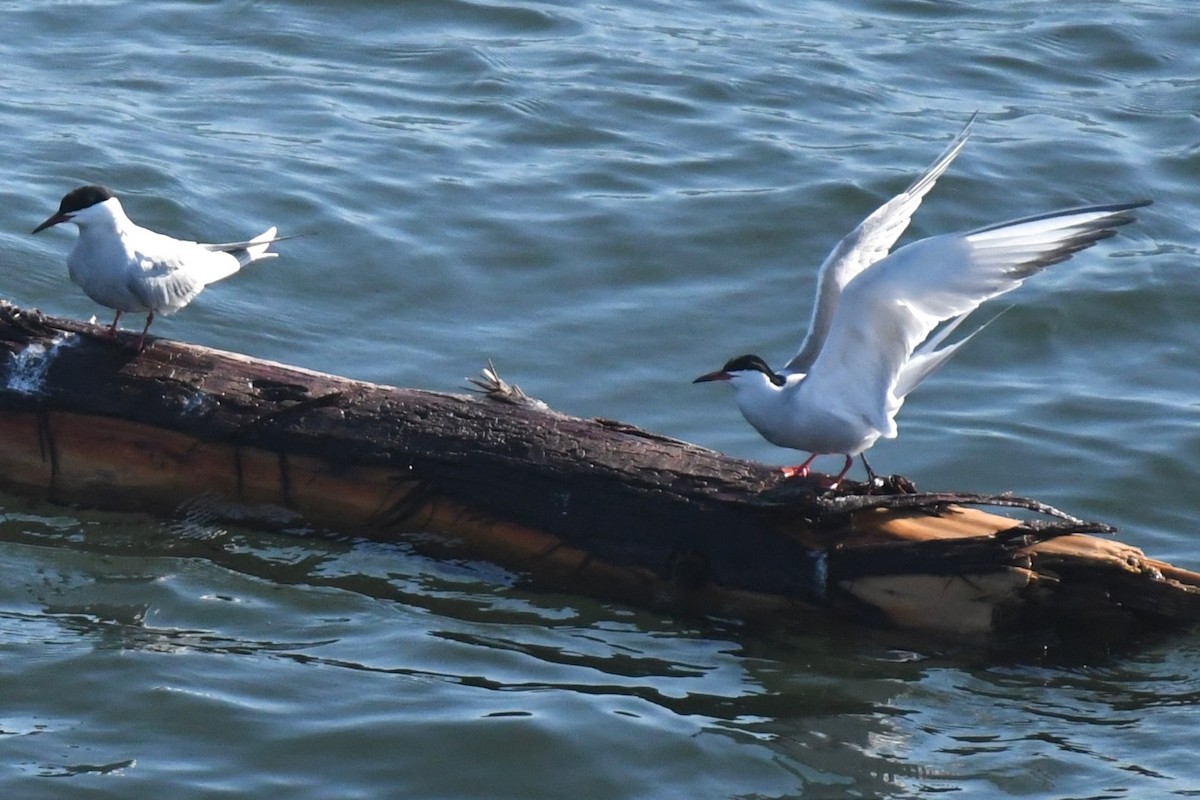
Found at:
<point>845,469</point>
<point>112,329</point>
<point>142,339</point>
<point>800,471</point>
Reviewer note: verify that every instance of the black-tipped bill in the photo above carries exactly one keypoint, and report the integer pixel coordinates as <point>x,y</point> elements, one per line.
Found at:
<point>747,363</point>
<point>53,220</point>
<point>719,375</point>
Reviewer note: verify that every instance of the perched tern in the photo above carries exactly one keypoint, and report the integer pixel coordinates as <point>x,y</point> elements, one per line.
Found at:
<point>126,267</point>
<point>880,321</point>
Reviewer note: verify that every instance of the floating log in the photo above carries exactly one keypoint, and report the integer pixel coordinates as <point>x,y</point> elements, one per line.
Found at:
<point>593,507</point>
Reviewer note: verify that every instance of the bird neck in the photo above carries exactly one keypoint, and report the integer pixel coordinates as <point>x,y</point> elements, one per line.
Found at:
<point>757,390</point>
<point>103,218</point>
<point>768,406</point>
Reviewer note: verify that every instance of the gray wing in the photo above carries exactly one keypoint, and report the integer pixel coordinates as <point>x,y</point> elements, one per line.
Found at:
<point>879,346</point>
<point>164,285</point>
<point>864,246</point>
<point>166,274</point>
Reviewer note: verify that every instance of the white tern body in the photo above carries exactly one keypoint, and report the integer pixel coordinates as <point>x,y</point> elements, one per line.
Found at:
<point>126,267</point>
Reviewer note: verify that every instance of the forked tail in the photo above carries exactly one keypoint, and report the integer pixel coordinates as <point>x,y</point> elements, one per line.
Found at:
<point>256,248</point>
<point>253,250</point>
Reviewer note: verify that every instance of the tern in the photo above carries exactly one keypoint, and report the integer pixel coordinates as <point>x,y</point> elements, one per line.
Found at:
<point>880,321</point>
<point>126,267</point>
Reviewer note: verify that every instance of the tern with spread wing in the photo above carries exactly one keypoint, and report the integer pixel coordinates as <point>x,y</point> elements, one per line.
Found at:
<point>126,267</point>
<point>880,321</point>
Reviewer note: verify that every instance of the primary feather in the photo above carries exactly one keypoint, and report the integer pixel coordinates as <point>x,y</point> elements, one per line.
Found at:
<point>876,350</point>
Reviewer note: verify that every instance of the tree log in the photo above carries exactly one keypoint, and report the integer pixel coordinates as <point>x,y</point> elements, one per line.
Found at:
<point>588,506</point>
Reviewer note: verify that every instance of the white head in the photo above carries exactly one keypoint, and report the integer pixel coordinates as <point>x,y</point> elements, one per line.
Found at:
<point>84,205</point>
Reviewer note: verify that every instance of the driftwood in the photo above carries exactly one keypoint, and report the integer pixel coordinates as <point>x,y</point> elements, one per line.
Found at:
<point>590,506</point>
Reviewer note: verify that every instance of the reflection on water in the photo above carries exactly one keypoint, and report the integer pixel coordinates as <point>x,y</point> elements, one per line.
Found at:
<point>456,649</point>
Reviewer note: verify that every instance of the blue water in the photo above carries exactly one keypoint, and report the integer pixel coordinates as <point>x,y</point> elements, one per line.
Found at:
<point>607,200</point>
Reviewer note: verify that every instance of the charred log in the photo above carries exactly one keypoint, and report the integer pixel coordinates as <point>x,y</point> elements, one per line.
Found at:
<point>592,506</point>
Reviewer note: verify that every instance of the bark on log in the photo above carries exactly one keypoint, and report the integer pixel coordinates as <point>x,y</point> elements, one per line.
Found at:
<point>589,506</point>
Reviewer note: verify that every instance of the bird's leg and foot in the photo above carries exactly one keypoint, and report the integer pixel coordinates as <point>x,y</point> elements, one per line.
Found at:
<point>142,339</point>
<point>845,469</point>
<point>112,329</point>
<point>803,471</point>
<point>872,478</point>
<point>800,471</point>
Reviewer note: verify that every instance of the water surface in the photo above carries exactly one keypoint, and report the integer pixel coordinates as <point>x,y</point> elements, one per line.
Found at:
<point>607,200</point>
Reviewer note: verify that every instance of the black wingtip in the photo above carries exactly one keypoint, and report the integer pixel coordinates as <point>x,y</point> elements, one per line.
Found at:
<point>1102,225</point>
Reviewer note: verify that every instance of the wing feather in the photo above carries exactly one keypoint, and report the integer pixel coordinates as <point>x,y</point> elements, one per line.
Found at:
<point>866,245</point>
<point>874,352</point>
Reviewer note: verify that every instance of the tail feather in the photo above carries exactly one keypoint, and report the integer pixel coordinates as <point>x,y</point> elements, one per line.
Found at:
<point>250,251</point>
<point>256,249</point>
<point>930,356</point>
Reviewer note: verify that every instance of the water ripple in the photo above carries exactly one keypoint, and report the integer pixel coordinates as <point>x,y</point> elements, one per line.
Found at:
<point>607,200</point>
